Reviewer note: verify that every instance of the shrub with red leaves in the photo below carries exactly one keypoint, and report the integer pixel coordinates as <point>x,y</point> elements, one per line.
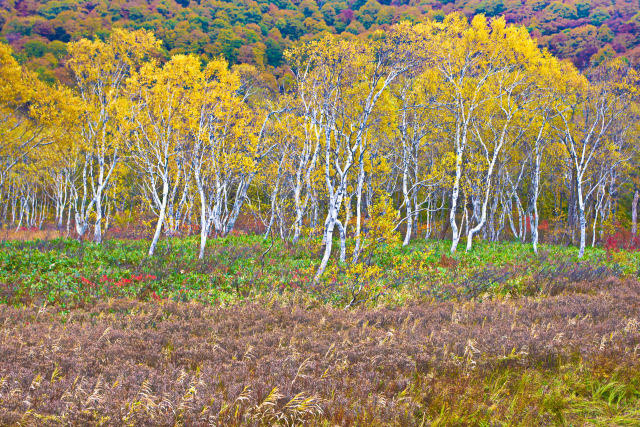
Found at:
<point>621,239</point>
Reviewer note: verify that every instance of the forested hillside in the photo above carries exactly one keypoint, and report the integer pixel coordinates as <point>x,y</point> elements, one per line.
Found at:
<point>257,32</point>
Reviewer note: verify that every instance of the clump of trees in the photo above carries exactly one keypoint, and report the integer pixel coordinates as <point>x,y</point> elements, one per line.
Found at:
<point>442,129</point>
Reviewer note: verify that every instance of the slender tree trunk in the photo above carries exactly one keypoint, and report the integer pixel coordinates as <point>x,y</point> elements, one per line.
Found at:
<point>480,206</point>
<point>297,224</point>
<point>20,214</point>
<point>407,202</point>
<point>358,237</point>
<point>43,211</point>
<point>161,216</point>
<point>14,207</point>
<point>572,214</point>
<point>204,220</point>
<point>274,198</point>
<point>595,223</point>
<point>483,209</point>
<point>634,213</point>
<point>241,195</point>
<point>69,219</point>
<point>429,217</point>
<point>335,201</point>
<point>328,239</point>
<point>97,231</point>
<point>582,220</point>
<point>455,234</point>
<point>535,184</point>
<point>5,207</point>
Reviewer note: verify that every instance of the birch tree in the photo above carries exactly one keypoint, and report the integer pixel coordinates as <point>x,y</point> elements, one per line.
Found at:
<point>219,136</point>
<point>32,114</point>
<point>100,70</point>
<point>347,79</point>
<point>469,60</point>
<point>588,112</point>
<point>159,112</point>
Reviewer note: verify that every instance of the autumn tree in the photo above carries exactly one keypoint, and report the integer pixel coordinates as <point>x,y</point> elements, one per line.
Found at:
<point>228,145</point>
<point>587,114</point>
<point>32,114</point>
<point>344,79</point>
<point>159,113</point>
<point>100,70</point>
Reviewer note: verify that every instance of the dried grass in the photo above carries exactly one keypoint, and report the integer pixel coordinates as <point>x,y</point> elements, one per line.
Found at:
<point>560,359</point>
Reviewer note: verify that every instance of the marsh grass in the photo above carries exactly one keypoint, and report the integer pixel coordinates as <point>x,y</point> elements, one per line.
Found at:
<point>564,359</point>
<point>498,336</point>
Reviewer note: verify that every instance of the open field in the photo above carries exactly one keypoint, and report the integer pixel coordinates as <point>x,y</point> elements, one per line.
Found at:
<point>103,334</point>
<point>572,358</point>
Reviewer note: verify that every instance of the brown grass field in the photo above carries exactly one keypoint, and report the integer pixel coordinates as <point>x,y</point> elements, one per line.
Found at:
<point>570,359</point>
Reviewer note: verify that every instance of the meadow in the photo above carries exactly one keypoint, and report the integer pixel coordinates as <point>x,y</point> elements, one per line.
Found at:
<point>195,239</point>
<point>103,334</point>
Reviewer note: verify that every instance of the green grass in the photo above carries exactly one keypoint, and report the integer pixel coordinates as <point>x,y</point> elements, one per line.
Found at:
<point>236,268</point>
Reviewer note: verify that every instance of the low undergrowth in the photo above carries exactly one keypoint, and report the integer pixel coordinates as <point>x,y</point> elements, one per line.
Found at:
<point>71,274</point>
<point>571,359</point>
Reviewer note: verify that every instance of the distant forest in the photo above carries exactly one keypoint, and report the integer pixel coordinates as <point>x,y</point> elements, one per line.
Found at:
<point>258,32</point>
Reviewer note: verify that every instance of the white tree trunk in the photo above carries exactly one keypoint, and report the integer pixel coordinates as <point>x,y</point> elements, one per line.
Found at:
<point>535,183</point>
<point>161,215</point>
<point>407,202</point>
<point>483,213</point>
<point>358,236</point>
<point>97,231</point>
<point>204,220</point>
<point>582,220</point>
<point>455,233</point>
<point>328,239</point>
<point>634,213</point>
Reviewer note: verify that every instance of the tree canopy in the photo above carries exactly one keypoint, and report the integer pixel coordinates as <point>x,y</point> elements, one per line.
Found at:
<point>258,32</point>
